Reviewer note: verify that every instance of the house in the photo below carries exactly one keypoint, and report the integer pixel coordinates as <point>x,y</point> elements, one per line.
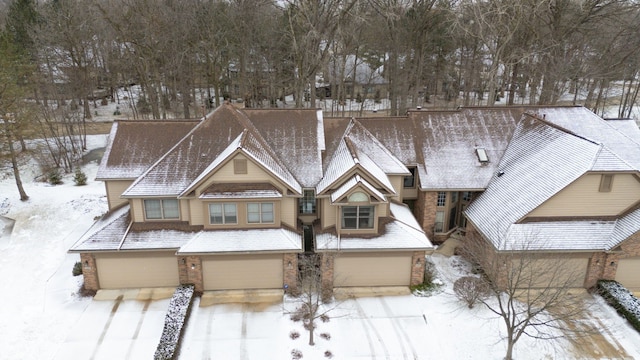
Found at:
<point>232,201</point>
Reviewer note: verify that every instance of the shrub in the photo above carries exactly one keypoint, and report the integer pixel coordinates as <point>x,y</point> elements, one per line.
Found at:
<point>80,178</point>
<point>325,336</point>
<point>296,354</point>
<point>328,354</point>
<point>117,111</point>
<point>77,268</point>
<point>470,289</point>
<point>54,177</point>
<point>294,335</point>
<point>174,321</point>
<point>431,284</point>
<point>621,299</point>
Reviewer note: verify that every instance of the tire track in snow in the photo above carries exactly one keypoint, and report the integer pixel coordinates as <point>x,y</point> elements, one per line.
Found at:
<point>114,309</point>
<point>399,330</point>
<point>243,333</point>
<point>138,327</point>
<point>372,329</point>
<point>206,350</point>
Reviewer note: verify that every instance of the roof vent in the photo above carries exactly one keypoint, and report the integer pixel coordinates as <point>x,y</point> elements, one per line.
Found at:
<point>482,155</point>
<point>500,173</point>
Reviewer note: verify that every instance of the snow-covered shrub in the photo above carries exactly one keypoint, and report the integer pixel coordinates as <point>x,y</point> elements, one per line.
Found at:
<point>470,289</point>
<point>77,269</point>
<point>622,300</point>
<point>80,178</point>
<point>174,323</point>
<point>296,354</point>
<point>431,284</point>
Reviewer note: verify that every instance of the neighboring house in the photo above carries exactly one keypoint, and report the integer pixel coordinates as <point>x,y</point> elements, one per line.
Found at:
<point>232,201</point>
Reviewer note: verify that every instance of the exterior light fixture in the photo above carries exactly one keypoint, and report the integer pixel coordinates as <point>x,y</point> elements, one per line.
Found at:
<point>193,266</point>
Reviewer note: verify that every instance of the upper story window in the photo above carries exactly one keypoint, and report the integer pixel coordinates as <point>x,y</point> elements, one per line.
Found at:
<point>161,209</point>
<point>410,180</point>
<point>606,182</point>
<point>260,213</point>
<point>307,205</point>
<point>466,196</point>
<point>442,198</point>
<point>358,196</point>
<point>223,213</point>
<point>358,217</point>
<point>240,166</point>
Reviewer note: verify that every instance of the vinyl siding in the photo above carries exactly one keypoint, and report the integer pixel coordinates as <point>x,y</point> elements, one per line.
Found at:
<point>583,198</point>
<point>255,173</point>
<point>198,212</point>
<point>115,188</point>
<point>289,211</point>
<point>328,213</point>
<point>137,211</point>
<point>397,182</point>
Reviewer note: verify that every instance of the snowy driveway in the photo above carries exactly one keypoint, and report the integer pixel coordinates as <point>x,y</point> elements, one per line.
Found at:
<point>123,328</point>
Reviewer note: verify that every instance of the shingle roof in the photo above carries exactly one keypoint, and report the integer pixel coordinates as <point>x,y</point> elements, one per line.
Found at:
<point>540,161</point>
<point>355,181</point>
<point>135,145</point>
<point>234,241</point>
<point>106,233</point>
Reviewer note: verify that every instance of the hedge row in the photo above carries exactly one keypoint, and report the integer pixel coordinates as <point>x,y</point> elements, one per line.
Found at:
<point>622,300</point>
<point>174,323</point>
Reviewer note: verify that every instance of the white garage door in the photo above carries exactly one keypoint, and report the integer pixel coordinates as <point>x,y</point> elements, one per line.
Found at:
<point>228,272</point>
<point>372,269</point>
<point>628,273</point>
<point>136,270</point>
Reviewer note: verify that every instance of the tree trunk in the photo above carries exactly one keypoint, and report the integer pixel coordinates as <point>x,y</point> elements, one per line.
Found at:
<point>16,172</point>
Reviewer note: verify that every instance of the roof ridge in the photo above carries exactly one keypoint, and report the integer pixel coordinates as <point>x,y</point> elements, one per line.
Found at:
<point>535,116</point>
<point>376,141</point>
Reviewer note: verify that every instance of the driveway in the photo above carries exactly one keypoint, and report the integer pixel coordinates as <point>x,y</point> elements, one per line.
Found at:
<point>118,325</point>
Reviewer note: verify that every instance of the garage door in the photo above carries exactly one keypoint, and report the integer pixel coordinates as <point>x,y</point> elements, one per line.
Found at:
<point>230,272</point>
<point>628,273</point>
<point>372,269</point>
<point>554,269</point>
<point>135,270</point>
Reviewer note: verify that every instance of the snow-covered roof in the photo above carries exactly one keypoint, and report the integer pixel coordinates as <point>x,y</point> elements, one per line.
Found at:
<point>134,145</point>
<point>106,233</point>
<point>234,241</point>
<point>401,233</point>
<point>210,141</point>
<point>540,161</point>
<point>241,191</point>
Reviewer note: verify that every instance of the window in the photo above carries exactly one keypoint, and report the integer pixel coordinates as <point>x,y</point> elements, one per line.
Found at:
<point>260,213</point>
<point>307,204</point>
<point>439,225</point>
<point>240,166</point>
<point>410,180</point>
<point>606,182</point>
<point>161,209</point>
<point>223,213</point>
<point>466,196</point>
<point>482,155</point>
<point>357,217</point>
<point>454,197</point>
<point>358,196</point>
<point>442,198</point>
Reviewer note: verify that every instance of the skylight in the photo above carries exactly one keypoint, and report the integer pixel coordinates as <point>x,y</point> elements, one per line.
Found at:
<point>482,155</point>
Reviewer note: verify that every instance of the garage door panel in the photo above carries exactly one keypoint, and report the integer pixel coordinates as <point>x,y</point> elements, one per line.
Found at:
<point>372,269</point>
<point>242,272</point>
<point>560,270</point>
<point>121,271</point>
<point>628,273</point>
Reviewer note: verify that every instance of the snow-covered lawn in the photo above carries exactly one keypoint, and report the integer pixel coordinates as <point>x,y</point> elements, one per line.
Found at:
<point>43,317</point>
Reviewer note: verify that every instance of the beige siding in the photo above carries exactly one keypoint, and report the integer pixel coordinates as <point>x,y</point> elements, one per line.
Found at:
<point>228,272</point>
<point>397,181</point>
<point>185,214</point>
<point>289,211</point>
<point>372,269</point>
<point>225,174</point>
<point>137,210</point>
<point>328,213</point>
<point>198,212</point>
<point>583,198</point>
<point>137,270</point>
<point>628,273</point>
<point>115,188</point>
<point>409,193</point>
<point>382,210</point>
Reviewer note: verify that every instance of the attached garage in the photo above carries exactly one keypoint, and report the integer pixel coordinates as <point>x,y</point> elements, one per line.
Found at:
<point>372,269</point>
<point>231,272</point>
<point>628,273</point>
<point>137,270</point>
<point>562,269</point>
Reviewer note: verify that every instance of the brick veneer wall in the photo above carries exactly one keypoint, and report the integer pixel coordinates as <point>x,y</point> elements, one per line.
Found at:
<point>190,271</point>
<point>290,266</point>
<point>605,265</point>
<point>326,268</point>
<point>426,211</point>
<point>89,271</point>
<point>417,268</point>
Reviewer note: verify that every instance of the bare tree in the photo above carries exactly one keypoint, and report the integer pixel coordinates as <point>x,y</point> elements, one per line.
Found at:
<point>312,298</point>
<point>529,291</point>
